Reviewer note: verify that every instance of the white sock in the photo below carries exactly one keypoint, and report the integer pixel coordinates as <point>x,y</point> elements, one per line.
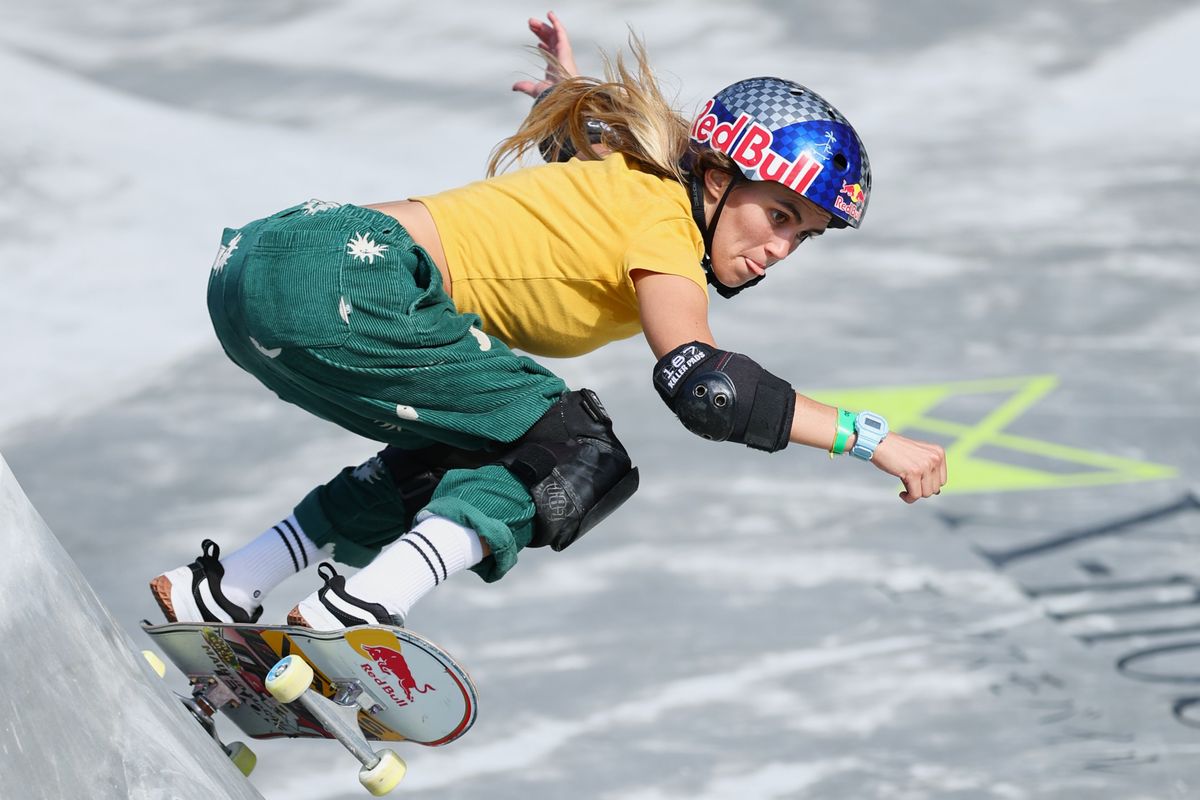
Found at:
<point>278,553</point>
<point>415,563</point>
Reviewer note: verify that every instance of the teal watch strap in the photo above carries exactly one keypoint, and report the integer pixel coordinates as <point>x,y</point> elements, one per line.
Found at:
<point>871,429</point>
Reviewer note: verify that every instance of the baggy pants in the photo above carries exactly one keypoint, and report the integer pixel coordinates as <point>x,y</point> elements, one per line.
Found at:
<point>338,311</point>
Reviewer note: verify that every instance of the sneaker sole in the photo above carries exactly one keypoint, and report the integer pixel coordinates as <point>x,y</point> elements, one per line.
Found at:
<point>172,590</point>
<point>296,619</point>
<point>161,587</point>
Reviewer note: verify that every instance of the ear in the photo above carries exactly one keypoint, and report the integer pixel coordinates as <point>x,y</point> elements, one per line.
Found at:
<point>716,181</point>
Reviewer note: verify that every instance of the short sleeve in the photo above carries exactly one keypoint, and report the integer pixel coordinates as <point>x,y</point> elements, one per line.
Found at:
<point>671,247</point>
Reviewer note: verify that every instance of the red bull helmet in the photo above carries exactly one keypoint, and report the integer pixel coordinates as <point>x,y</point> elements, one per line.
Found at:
<point>777,130</point>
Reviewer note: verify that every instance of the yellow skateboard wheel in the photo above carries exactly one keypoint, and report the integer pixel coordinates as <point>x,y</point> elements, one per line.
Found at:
<point>383,777</point>
<point>242,757</point>
<point>155,662</point>
<point>289,678</point>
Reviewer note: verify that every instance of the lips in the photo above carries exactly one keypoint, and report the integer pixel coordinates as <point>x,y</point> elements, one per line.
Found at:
<point>755,268</point>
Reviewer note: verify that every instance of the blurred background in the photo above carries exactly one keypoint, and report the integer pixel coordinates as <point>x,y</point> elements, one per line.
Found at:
<point>1023,291</point>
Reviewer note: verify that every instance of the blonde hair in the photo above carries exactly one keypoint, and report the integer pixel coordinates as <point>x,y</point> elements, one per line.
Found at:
<point>642,124</point>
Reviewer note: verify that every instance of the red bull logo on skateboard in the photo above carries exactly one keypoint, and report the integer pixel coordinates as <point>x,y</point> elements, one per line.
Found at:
<point>853,209</point>
<point>391,662</point>
<point>749,145</point>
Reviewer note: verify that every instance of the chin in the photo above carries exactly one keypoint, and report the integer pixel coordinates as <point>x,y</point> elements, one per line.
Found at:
<point>732,278</point>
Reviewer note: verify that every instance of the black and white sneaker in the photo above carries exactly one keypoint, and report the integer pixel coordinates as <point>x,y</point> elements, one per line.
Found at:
<point>192,593</point>
<point>331,607</point>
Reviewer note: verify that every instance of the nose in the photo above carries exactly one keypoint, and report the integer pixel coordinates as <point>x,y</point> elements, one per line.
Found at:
<point>778,249</point>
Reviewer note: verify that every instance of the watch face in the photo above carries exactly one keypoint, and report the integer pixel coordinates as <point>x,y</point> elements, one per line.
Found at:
<point>872,423</point>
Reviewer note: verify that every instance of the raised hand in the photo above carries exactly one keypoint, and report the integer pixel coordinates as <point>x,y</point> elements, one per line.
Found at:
<point>552,39</point>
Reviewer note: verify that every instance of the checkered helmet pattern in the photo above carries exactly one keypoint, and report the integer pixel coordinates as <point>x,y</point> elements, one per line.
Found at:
<point>793,136</point>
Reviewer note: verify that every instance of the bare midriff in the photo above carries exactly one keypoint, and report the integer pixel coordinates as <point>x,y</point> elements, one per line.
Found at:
<point>417,220</point>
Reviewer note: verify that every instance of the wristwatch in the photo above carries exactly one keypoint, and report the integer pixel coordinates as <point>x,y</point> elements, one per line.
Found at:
<point>870,429</point>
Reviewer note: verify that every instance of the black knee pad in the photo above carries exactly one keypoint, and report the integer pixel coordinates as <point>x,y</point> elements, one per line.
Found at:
<point>574,467</point>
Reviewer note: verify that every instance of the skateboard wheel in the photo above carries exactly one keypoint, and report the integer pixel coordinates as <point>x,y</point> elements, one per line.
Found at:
<point>242,757</point>
<point>155,662</point>
<point>383,777</point>
<point>289,678</point>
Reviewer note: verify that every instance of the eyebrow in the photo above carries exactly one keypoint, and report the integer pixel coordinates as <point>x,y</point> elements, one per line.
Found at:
<point>792,207</point>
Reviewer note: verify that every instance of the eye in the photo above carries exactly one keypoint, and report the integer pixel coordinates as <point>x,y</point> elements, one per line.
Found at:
<point>779,217</point>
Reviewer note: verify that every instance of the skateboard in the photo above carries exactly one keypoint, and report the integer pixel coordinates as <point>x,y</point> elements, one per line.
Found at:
<point>357,685</point>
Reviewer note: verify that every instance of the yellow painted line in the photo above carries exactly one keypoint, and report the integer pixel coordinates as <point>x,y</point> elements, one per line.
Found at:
<point>907,408</point>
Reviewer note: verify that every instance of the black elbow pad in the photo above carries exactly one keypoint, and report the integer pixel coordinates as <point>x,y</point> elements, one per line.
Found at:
<point>726,396</point>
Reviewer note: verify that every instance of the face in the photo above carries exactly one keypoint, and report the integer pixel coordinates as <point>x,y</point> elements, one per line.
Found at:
<point>761,224</point>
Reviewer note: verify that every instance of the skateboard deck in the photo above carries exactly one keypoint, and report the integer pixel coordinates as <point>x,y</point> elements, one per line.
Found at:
<point>399,685</point>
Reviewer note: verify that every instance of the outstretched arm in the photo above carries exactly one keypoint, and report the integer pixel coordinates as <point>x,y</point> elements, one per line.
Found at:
<point>552,39</point>
<point>674,312</point>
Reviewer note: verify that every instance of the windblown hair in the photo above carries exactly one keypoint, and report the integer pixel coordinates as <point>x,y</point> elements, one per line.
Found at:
<point>641,122</point>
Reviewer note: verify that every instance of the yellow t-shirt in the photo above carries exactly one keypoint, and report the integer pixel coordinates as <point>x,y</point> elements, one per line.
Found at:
<point>543,254</point>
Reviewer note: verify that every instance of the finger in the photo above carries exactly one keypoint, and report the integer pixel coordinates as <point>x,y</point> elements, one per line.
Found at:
<point>923,489</point>
<point>560,30</point>
<point>531,88</point>
<point>542,31</point>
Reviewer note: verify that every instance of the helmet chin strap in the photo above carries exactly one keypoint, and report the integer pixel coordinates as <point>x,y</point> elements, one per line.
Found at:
<point>707,229</point>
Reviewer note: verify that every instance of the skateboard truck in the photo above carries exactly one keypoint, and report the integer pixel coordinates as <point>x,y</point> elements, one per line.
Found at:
<point>208,696</point>
<point>211,694</point>
<point>349,693</point>
<point>289,681</point>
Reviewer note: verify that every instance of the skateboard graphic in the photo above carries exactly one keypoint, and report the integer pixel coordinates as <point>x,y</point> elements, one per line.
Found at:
<point>357,685</point>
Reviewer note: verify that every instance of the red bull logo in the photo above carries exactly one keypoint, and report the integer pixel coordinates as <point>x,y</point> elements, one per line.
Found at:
<point>391,662</point>
<point>749,143</point>
<point>853,209</point>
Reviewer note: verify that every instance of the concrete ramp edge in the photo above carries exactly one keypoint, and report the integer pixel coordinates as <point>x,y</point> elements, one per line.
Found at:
<point>81,713</point>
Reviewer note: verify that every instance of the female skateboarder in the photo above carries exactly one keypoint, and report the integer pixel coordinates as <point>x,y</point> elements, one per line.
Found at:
<point>398,322</point>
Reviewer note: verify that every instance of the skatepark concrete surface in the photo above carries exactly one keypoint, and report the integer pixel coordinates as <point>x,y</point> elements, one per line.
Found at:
<point>85,716</point>
<point>1023,291</point>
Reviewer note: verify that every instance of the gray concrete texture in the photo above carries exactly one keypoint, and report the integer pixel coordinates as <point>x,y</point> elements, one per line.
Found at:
<point>748,626</point>
<point>84,714</point>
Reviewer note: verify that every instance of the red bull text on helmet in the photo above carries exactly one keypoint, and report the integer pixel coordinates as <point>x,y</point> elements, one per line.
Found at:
<point>780,131</point>
<point>752,150</point>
